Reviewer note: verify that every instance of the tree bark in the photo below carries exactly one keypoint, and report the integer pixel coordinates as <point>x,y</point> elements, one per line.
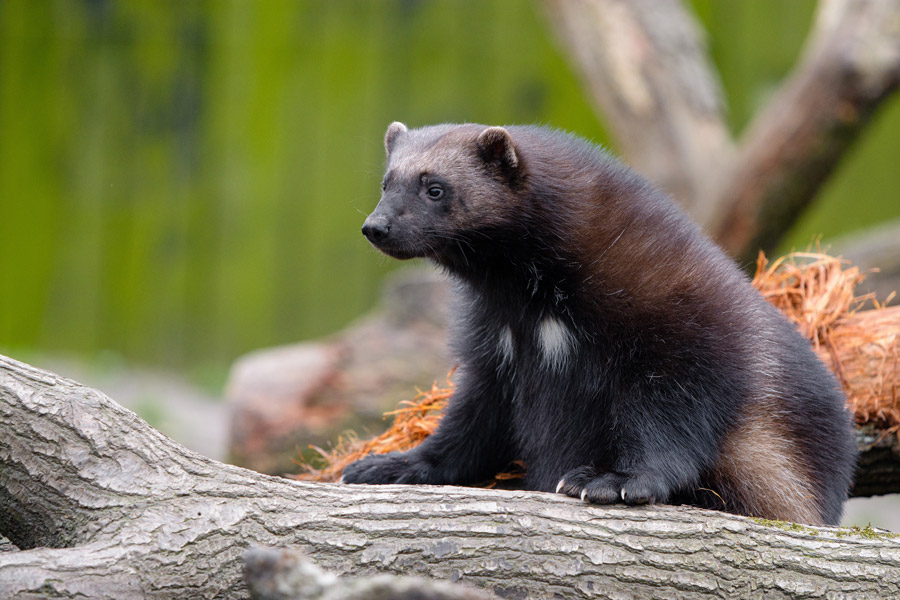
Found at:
<point>6,545</point>
<point>648,72</point>
<point>104,506</point>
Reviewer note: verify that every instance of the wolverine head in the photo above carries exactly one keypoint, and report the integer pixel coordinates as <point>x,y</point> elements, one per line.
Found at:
<point>444,185</point>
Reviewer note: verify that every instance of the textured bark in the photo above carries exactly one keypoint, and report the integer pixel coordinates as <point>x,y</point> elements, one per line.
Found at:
<point>104,506</point>
<point>6,545</point>
<point>647,70</point>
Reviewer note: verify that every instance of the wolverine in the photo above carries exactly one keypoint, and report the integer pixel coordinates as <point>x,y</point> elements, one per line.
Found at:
<point>602,338</point>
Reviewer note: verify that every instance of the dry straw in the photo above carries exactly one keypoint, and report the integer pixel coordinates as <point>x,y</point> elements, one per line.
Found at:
<point>413,422</point>
<point>815,291</point>
<point>862,347</point>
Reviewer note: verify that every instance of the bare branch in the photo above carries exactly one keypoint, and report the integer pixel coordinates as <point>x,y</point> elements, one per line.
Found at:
<point>850,65</point>
<point>646,66</point>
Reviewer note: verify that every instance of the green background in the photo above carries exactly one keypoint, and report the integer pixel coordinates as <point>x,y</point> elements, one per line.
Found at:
<point>184,181</point>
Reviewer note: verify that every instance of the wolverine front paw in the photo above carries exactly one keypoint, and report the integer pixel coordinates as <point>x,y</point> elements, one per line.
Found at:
<point>395,467</point>
<point>608,488</point>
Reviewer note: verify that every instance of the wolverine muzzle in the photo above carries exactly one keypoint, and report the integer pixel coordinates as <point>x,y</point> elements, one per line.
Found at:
<point>376,230</point>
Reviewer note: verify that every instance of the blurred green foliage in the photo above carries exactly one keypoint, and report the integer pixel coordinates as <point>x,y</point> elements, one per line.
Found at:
<point>183,181</point>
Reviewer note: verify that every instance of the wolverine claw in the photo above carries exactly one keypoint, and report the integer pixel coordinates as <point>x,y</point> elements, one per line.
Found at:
<point>560,485</point>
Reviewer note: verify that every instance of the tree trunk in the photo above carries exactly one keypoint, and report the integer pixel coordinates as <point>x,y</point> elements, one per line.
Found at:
<point>104,506</point>
<point>645,65</point>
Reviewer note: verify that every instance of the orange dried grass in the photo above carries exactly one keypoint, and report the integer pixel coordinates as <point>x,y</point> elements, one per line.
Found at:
<point>814,290</point>
<point>867,360</point>
<point>862,348</point>
<point>413,422</point>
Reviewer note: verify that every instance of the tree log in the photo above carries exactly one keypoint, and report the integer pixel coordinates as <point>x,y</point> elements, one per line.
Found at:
<point>104,506</point>
<point>6,545</point>
<point>646,68</point>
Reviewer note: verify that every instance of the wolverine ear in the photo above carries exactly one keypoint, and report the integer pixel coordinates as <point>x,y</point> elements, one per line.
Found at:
<point>394,131</point>
<point>497,146</point>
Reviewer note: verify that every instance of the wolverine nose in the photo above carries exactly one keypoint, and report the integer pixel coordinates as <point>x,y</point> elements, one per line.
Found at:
<point>375,229</point>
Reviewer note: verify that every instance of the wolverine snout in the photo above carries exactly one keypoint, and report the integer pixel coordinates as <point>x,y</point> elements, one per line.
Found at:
<point>376,229</point>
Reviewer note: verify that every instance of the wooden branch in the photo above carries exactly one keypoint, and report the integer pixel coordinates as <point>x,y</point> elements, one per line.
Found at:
<point>646,67</point>
<point>104,506</point>
<point>647,71</point>
<point>850,65</point>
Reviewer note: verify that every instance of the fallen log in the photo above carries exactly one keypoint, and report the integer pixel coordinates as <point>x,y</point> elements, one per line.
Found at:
<point>102,505</point>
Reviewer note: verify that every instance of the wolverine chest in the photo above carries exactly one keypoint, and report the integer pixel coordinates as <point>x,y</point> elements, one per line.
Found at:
<point>547,343</point>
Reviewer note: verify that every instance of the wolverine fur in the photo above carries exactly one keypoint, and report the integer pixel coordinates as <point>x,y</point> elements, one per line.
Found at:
<point>602,338</point>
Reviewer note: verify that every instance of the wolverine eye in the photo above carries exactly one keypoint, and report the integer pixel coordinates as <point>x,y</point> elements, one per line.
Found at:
<point>435,192</point>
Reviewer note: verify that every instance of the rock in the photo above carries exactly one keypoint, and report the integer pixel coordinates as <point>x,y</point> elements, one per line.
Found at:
<point>283,399</point>
<point>271,398</point>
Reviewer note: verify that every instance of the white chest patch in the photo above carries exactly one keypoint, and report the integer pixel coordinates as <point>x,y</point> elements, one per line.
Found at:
<point>556,342</point>
<point>505,345</point>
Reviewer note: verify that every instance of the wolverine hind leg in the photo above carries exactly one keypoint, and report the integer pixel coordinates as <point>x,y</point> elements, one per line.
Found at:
<point>761,473</point>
